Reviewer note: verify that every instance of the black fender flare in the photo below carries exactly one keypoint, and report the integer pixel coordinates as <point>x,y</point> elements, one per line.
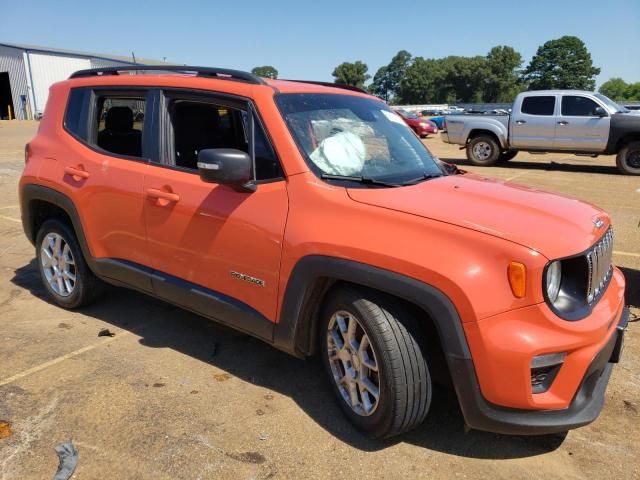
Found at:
<point>294,329</point>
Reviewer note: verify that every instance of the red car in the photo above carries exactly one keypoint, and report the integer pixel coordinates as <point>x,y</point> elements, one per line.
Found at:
<point>421,126</point>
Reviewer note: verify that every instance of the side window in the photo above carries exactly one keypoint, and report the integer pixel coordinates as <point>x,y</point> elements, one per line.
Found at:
<point>200,125</point>
<point>538,105</point>
<point>573,106</point>
<point>120,121</point>
<point>75,113</point>
<point>197,126</point>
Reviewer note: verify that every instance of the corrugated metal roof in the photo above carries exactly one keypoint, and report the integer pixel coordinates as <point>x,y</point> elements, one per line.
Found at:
<point>117,58</point>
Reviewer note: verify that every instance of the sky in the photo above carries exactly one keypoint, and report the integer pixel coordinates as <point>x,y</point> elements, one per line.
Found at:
<point>307,39</point>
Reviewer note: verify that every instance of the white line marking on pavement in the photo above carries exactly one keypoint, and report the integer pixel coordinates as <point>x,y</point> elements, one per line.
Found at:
<point>628,254</point>
<point>7,207</point>
<point>515,176</point>
<point>62,358</point>
<point>12,219</point>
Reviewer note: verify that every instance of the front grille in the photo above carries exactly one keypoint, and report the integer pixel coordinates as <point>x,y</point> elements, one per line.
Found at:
<point>599,264</point>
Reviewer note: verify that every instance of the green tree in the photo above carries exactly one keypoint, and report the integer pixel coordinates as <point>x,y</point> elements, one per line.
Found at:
<point>421,82</point>
<point>633,91</point>
<point>562,63</point>
<point>503,72</point>
<point>266,71</point>
<point>386,81</point>
<point>354,74</point>
<point>618,89</point>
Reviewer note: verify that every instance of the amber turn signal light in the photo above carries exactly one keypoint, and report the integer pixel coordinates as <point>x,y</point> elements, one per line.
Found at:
<point>518,279</point>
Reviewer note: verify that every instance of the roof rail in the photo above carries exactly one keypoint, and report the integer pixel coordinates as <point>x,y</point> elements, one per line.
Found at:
<point>330,84</point>
<point>220,73</point>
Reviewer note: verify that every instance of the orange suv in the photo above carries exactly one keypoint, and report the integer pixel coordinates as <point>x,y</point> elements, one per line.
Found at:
<point>312,217</point>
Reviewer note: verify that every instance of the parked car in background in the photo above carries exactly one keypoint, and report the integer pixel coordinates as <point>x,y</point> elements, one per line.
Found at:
<point>571,121</point>
<point>439,121</point>
<point>422,126</point>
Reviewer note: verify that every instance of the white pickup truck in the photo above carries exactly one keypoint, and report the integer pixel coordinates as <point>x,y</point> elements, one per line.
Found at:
<point>583,123</point>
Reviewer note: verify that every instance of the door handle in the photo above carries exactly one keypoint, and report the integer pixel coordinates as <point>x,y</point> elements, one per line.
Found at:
<point>563,123</point>
<point>521,122</point>
<point>163,195</point>
<point>76,172</point>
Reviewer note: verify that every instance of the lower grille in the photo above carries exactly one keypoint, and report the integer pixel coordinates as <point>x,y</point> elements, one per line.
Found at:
<point>599,263</point>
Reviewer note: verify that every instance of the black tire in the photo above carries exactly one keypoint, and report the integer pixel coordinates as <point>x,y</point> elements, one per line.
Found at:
<point>87,287</point>
<point>628,159</point>
<point>483,151</point>
<point>508,155</point>
<point>404,380</point>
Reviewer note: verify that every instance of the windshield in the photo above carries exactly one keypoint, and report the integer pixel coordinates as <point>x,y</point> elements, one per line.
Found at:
<point>612,106</point>
<point>355,136</point>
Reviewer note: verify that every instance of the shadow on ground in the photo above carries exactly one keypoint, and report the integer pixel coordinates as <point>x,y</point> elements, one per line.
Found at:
<point>632,293</point>
<point>547,166</point>
<point>303,381</point>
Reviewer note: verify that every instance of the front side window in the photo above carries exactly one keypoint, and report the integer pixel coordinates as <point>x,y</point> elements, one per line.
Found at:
<point>354,136</point>
<point>119,124</point>
<point>539,105</point>
<point>574,106</point>
<point>202,125</point>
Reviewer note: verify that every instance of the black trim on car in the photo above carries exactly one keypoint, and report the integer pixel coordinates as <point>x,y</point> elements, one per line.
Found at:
<point>292,331</point>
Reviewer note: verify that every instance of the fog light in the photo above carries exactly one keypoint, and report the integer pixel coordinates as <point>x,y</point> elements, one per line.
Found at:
<point>544,369</point>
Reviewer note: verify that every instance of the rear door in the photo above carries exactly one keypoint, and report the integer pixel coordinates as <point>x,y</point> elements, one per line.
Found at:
<point>215,250</point>
<point>579,127</point>
<point>534,124</point>
<point>103,165</point>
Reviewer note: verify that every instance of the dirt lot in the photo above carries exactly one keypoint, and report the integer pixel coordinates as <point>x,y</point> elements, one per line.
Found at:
<point>172,396</point>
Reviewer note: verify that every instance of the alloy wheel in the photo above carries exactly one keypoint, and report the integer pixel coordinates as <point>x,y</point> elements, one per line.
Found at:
<point>58,264</point>
<point>482,150</point>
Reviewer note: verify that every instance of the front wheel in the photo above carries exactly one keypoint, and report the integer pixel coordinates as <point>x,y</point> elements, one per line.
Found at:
<point>628,159</point>
<point>483,151</point>
<point>372,350</point>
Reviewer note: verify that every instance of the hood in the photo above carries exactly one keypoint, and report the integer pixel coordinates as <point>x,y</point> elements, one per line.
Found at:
<point>552,224</point>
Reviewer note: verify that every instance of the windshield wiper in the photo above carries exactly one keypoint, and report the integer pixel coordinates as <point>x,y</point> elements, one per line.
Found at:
<point>425,176</point>
<point>359,179</point>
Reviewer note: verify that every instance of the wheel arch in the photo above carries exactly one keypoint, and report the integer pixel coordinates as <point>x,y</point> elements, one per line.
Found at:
<point>313,277</point>
<point>476,132</point>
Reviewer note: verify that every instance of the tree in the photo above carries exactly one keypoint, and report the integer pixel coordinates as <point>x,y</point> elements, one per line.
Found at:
<point>266,71</point>
<point>380,87</point>
<point>354,74</point>
<point>386,81</point>
<point>617,89</point>
<point>502,80</point>
<point>562,63</point>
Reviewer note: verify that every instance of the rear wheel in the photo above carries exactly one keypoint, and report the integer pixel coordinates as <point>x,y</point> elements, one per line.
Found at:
<point>64,272</point>
<point>371,348</point>
<point>628,159</point>
<point>508,155</point>
<point>483,151</point>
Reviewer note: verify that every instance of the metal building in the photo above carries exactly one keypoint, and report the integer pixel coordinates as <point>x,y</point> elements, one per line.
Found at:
<point>27,72</point>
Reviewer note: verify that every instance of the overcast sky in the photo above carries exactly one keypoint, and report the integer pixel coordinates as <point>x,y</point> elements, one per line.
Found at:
<point>307,39</point>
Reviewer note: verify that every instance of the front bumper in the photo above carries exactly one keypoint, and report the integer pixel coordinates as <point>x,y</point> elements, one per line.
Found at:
<point>583,409</point>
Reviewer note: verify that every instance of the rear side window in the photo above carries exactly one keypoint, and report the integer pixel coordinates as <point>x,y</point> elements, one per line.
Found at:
<point>76,113</point>
<point>120,122</point>
<point>538,105</point>
<point>573,106</point>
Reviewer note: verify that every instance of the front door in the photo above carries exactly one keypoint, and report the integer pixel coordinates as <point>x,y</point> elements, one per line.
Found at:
<point>580,127</point>
<point>215,250</point>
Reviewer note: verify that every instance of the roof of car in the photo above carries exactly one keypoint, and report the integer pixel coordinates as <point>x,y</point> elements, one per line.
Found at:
<point>558,92</point>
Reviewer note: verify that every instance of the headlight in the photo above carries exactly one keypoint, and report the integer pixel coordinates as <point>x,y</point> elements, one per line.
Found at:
<point>423,124</point>
<point>554,277</point>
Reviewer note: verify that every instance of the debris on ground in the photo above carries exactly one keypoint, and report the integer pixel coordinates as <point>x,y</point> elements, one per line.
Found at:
<point>68,457</point>
<point>105,332</point>
<point>5,429</point>
<point>221,377</point>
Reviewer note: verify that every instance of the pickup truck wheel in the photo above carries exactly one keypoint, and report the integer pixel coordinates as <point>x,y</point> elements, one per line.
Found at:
<point>63,270</point>
<point>483,151</point>
<point>628,159</point>
<point>371,348</point>
<point>506,156</point>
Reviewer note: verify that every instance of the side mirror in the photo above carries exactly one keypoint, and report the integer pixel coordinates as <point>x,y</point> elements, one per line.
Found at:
<point>226,166</point>
<point>599,112</point>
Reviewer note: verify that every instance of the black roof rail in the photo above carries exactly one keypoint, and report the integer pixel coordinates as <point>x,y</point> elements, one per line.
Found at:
<point>220,73</point>
<point>330,84</point>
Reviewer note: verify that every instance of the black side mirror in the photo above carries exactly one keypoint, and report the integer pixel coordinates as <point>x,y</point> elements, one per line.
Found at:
<point>226,166</point>
<point>599,112</point>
